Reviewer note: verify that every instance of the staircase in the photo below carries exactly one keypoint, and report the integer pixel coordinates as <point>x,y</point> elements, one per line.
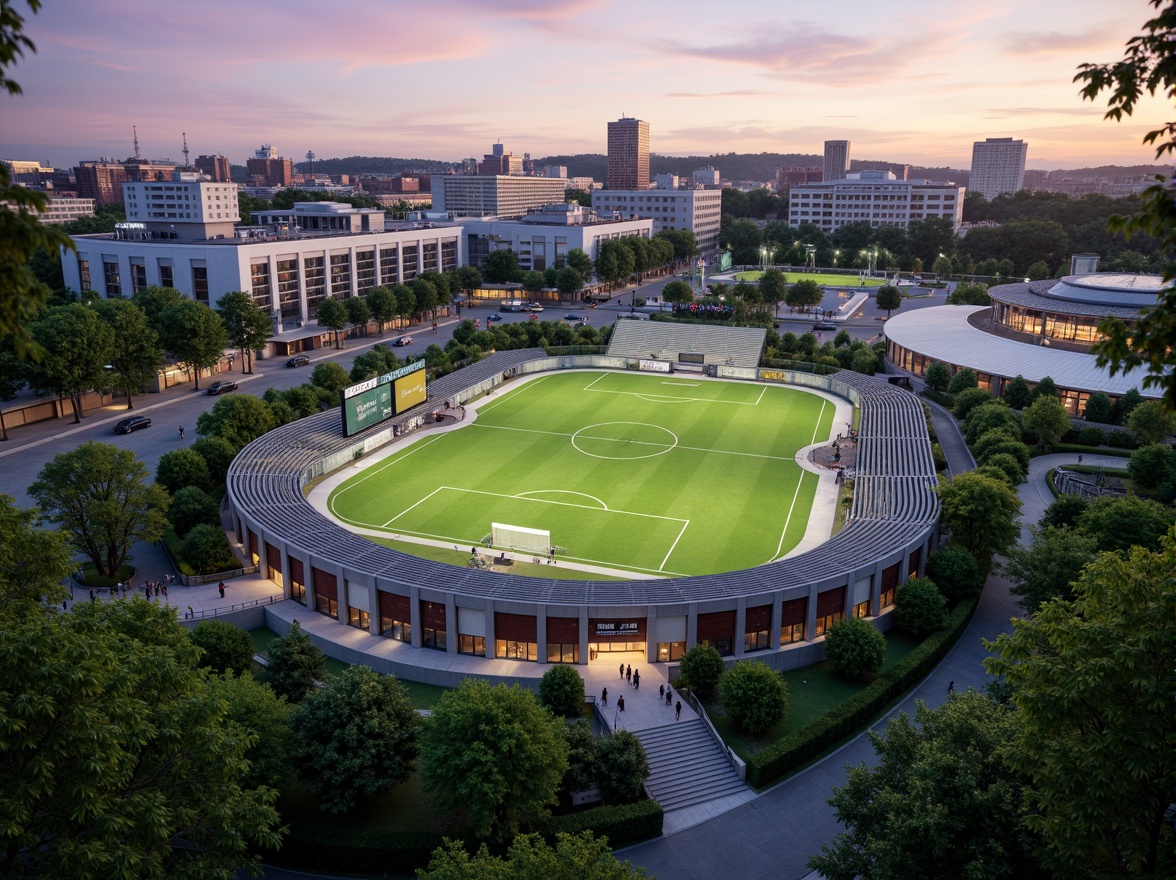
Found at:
<point>687,767</point>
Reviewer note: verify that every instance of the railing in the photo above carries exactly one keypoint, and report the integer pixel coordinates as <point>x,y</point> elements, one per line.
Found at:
<point>733,759</point>
<point>198,579</point>
<point>190,614</point>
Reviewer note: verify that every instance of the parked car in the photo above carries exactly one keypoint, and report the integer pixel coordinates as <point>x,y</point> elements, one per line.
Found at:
<point>824,326</point>
<point>403,341</point>
<point>134,423</point>
<point>299,360</point>
<point>222,386</point>
<point>575,318</point>
<point>494,316</point>
<point>535,307</point>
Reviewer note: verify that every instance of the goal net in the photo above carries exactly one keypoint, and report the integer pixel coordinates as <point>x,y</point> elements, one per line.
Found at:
<point>520,538</point>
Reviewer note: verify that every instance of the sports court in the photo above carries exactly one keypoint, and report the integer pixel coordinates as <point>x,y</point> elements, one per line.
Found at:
<point>656,474</point>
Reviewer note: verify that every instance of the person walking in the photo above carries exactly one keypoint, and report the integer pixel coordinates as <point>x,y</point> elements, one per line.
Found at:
<point>629,673</point>
<point>678,711</point>
<point>669,694</point>
<point>621,704</point>
<point>622,670</point>
<point>604,697</point>
<point>951,687</point>
<point>661,691</point>
<point>221,587</point>
<point>636,680</point>
<point>181,432</point>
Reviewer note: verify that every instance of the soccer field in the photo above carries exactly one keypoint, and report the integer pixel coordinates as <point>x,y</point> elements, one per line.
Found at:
<point>658,474</point>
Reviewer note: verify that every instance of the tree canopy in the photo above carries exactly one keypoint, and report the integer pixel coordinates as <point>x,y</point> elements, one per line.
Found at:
<point>854,648</point>
<point>579,857</point>
<point>754,696</point>
<point>982,514</point>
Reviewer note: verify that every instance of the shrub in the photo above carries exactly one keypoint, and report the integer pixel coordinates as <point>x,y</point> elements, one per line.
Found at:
<point>581,773</point>
<point>1121,440</point>
<point>206,549</point>
<point>1092,436</point>
<point>180,468</point>
<point>991,416</point>
<point>938,376</point>
<point>1099,409</point>
<point>854,648</point>
<point>622,825</point>
<point>217,454</point>
<point>754,696</point>
<point>226,648</point>
<point>621,768</point>
<point>1007,466</point>
<point>1152,465</point>
<point>192,507</point>
<point>968,399</point>
<point>295,664</point>
<point>992,438</point>
<point>1017,392</point>
<point>964,379</point>
<point>920,607</point>
<point>702,667</point>
<point>955,572</point>
<point>562,690</point>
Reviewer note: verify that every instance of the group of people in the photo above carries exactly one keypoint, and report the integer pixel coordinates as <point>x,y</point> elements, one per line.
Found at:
<point>665,691</point>
<point>151,589</point>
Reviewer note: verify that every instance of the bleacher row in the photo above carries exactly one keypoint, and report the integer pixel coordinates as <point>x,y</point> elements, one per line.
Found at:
<point>739,346</point>
<point>894,506</point>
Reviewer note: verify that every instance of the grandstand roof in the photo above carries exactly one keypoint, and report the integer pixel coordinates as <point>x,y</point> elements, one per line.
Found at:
<point>662,340</point>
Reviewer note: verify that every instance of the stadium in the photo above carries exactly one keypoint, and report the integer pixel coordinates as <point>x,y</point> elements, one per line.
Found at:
<point>526,459</point>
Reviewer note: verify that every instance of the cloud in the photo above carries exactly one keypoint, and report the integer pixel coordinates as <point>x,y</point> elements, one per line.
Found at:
<point>1003,112</point>
<point>734,93</point>
<point>1095,40</point>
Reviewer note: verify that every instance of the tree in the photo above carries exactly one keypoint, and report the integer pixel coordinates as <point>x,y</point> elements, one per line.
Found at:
<point>333,315</point>
<point>969,295</point>
<point>120,761</point>
<point>135,355</point>
<point>1125,405</point>
<point>295,664</point>
<point>574,857</point>
<point>581,262</point>
<point>854,648</point>
<point>1047,420</point>
<point>804,295</point>
<point>1151,422</point>
<point>982,515</point>
<point>494,754</point>
<point>568,280</point>
<point>754,696</point>
<point>678,292</point>
<point>1121,523</point>
<point>224,647</point>
<point>581,743</point>
<point>1052,561</point>
<point>939,803</point>
<point>331,377</point>
<point>964,379</point>
<point>920,607</point>
<point>1045,388</point>
<point>33,562</point>
<point>702,667</point>
<point>501,267</point>
<point>938,376</point>
<point>889,298</point>
<point>1092,686</point>
<point>1004,466</point>
<point>206,549</point>
<point>99,495</point>
<point>993,415</point>
<point>358,313</point>
<point>773,288</point>
<point>192,507</point>
<point>614,261</point>
<point>247,325</point>
<point>195,335</point>
<point>1017,392</point>
<point>357,738</point>
<point>1099,409</point>
<point>969,399</point>
<point>1065,510</point>
<point>217,454</point>
<point>1038,271</point>
<point>621,767</point>
<point>955,572</point>
<point>265,716</point>
<point>75,345</point>
<point>562,691</point>
<point>1152,466</point>
<point>237,419</point>
<point>382,304</point>
<point>180,468</point>
<point>468,278</point>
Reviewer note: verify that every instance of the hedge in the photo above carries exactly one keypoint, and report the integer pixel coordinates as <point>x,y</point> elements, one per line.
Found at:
<point>794,751</point>
<point>940,397</point>
<point>623,824</point>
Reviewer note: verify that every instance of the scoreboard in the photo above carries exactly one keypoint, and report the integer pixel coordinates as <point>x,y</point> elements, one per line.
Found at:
<point>383,397</point>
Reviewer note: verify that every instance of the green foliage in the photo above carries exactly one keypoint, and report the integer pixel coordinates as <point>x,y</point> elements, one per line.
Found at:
<point>1092,686</point>
<point>678,292</point>
<point>621,767</point>
<point>1151,422</point>
<point>494,755</point>
<point>994,415</point>
<point>938,376</point>
<point>76,346</point>
<point>1065,510</point>
<point>804,295</point>
<point>622,824</point>
<point>889,298</point>
<point>1047,420</point>
<point>754,696</point>
<point>194,334</point>
<point>295,664</point>
<point>33,562</point>
<point>581,742</point>
<point>562,690</point>
<point>247,325</point>
<point>581,262</point>
<point>224,647</point>
<point>330,377</point>
<point>968,399</point>
<point>191,507</point>
<point>702,667</point>
<point>1099,409</point>
<point>1092,436</point>
<point>982,515</point>
<point>237,419</point>
<point>1120,523</point>
<point>1152,466</point>
<point>217,454</point>
<point>964,378</point>
<point>1005,465</point>
<point>939,803</point>
<point>1038,271</point>
<point>356,738</point>
<point>955,572</point>
<point>969,295</point>
<point>501,267</point>
<point>920,607</point>
<point>265,716</point>
<point>206,549</point>
<point>996,437</point>
<point>581,857</point>
<point>854,648</point>
<point>1017,392</point>
<point>135,355</point>
<point>1046,568</point>
<point>333,315</point>
<point>180,468</point>
<point>121,761</point>
<point>99,495</point>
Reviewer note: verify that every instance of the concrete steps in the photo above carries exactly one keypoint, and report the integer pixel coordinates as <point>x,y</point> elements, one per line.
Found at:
<point>687,767</point>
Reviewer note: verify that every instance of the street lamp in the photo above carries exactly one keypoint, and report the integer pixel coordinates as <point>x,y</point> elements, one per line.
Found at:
<point>763,258</point>
<point>836,254</point>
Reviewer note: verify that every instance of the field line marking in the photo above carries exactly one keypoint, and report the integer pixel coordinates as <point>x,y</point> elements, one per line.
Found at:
<point>820,415</point>
<point>682,384</point>
<point>482,408</point>
<point>391,460</point>
<point>603,506</point>
<point>761,397</point>
<point>594,381</point>
<point>556,503</point>
<point>407,509</point>
<point>675,399</point>
<point>788,519</point>
<point>675,544</point>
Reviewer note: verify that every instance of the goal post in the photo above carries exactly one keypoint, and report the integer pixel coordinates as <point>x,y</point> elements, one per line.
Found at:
<point>522,539</point>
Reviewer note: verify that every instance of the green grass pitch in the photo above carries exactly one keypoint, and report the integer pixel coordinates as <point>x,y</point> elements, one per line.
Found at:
<point>656,473</point>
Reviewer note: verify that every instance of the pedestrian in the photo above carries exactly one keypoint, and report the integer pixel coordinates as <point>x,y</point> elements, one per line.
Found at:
<point>65,606</point>
<point>91,595</point>
<point>629,674</point>
<point>620,704</point>
<point>1079,459</point>
<point>181,432</point>
<point>661,691</point>
<point>157,589</point>
<point>637,680</point>
<point>678,711</point>
<point>951,687</point>
<point>221,587</point>
<point>622,670</point>
<point>165,591</point>
<point>669,695</point>
<point>604,697</point>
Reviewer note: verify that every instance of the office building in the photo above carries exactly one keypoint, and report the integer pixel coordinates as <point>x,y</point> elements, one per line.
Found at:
<point>494,195</point>
<point>62,209</point>
<point>267,168</point>
<point>699,210</point>
<point>498,161</point>
<point>628,154</point>
<point>102,180</point>
<point>792,175</point>
<point>836,160</point>
<point>184,208</point>
<point>707,176</point>
<point>216,167</point>
<point>998,166</point>
<point>875,197</point>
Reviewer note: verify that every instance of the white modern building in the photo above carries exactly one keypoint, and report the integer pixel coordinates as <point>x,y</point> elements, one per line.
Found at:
<point>707,176</point>
<point>544,237</point>
<point>494,195</point>
<point>185,207</point>
<point>998,166</point>
<point>699,210</point>
<point>62,209</point>
<point>874,197</point>
<point>836,160</point>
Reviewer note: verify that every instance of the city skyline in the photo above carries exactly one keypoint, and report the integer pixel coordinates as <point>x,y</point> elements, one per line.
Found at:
<point>918,87</point>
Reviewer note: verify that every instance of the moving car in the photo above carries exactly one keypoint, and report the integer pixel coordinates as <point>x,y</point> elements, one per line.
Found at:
<point>824,326</point>
<point>403,341</point>
<point>299,360</point>
<point>575,318</point>
<point>134,423</point>
<point>535,307</point>
<point>494,316</point>
<point>222,386</point>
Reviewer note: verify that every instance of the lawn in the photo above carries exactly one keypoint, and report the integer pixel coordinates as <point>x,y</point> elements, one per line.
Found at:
<point>825,279</point>
<point>662,474</point>
<point>460,557</point>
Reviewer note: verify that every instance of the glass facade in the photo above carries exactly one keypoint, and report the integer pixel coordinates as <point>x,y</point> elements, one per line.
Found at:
<point>669,651</point>
<point>396,629</point>
<point>510,649</point>
<point>475,645</point>
<point>358,618</point>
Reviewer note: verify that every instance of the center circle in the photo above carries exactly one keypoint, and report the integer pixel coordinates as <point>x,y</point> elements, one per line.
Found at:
<point>624,440</point>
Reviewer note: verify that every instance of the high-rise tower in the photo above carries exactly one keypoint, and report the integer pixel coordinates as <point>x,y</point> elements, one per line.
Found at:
<point>628,154</point>
<point>836,160</point>
<point>998,166</point>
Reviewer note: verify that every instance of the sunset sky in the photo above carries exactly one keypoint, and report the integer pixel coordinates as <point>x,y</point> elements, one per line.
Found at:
<point>905,80</point>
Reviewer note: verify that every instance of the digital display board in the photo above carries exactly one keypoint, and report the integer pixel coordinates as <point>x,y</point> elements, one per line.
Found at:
<point>375,400</point>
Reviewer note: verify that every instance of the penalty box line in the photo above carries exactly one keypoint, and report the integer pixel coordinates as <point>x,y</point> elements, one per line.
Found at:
<point>645,395</point>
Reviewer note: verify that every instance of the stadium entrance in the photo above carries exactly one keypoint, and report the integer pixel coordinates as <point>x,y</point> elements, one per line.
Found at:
<point>613,635</point>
